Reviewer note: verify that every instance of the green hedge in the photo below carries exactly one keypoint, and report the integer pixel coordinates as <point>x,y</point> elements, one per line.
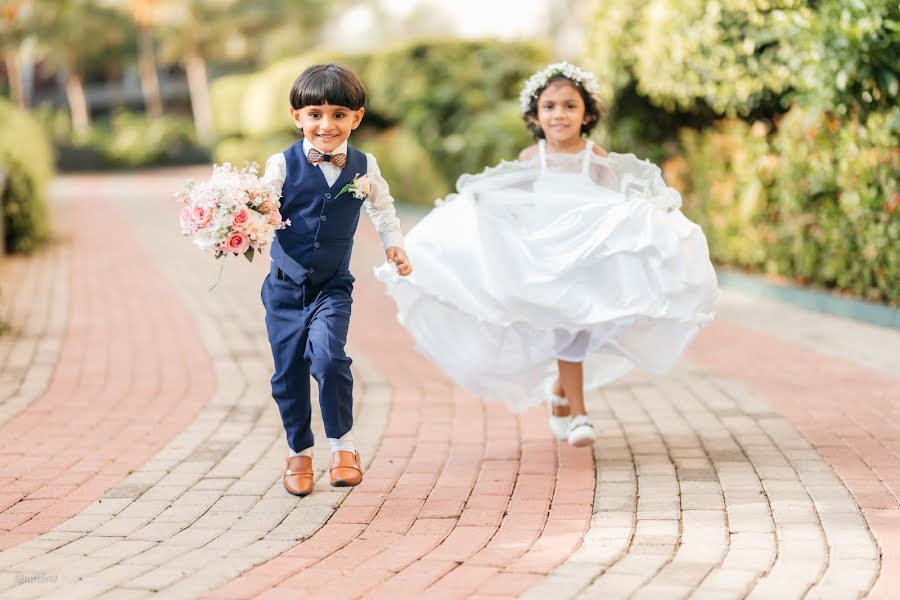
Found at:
<point>442,90</point>
<point>238,150</point>
<point>225,95</point>
<point>411,173</point>
<point>27,158</point>
<point>131,140</point>
<point>779,121</point>
<point>125,140</point>
<point>816,199</point>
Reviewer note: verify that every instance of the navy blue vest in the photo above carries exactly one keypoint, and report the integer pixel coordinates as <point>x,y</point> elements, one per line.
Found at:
<point>316,245</point>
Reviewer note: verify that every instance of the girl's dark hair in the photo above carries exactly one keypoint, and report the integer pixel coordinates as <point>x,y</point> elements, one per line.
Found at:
<point>328,84</point>
<point>592,109</point>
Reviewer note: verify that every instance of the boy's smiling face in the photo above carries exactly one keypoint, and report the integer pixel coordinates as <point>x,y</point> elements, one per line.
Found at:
<point>327,126</point>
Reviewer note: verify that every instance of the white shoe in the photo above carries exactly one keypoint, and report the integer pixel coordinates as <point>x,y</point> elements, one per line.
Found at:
<point>581,431</point>
<point>558,425</point>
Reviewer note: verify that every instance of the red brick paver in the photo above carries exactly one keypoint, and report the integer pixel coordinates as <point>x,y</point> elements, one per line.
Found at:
<point>699,486</point>
<point>849,413</point>
<point>131,375</point>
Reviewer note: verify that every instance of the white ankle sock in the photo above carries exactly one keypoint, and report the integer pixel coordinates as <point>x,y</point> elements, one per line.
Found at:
<point>345,442</point>
<point>305,452</point>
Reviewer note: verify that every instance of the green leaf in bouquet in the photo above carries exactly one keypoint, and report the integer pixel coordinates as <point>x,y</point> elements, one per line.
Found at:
<point>249,254</point>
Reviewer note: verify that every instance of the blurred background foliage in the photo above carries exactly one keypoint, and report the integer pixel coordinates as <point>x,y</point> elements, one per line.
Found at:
<point>437,109</point>
<point>777,119</point>
<point>26,163</point>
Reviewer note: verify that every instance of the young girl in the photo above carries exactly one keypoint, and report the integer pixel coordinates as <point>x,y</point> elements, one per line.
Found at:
<point>556,272</point>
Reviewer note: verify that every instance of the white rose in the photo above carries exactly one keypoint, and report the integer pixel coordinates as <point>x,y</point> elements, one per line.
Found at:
<point>363,188</point>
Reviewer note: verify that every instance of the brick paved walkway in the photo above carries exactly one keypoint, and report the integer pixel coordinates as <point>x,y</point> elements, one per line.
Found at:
<point>140,452</point>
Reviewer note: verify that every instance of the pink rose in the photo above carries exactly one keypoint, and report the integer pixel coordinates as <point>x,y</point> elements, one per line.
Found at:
<point>237,243</point>
<point>266,207</point>
<point>202,216</point>
<point>186,217</point>
<point>275,217</point>
<point>241,218</point>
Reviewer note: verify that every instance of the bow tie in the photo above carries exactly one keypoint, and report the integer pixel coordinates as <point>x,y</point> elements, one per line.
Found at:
<point>315,157</point>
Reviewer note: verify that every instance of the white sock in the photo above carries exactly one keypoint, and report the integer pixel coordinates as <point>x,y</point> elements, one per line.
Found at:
<point>343,443</point>
<point>304,452</point>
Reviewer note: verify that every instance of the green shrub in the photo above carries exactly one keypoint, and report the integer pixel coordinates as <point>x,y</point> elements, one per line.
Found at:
<point>408,168</point>
<point>438,89</point>
<point>493,135</point>
<point>719,174</point>
<point>816,199</point>
<point>836,186</point>
<point>226,93</point>
<point>238,150</point>
<point>612,41</point>
<point>725,53</point>
<point>27,159</point>
<point>132,140</point>
<point>843,55</point>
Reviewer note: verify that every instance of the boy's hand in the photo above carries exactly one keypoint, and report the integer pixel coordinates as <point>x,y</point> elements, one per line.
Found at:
<point>397,255</point>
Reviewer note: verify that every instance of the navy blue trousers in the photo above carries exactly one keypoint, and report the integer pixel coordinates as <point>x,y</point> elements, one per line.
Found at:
<point>307,328</point>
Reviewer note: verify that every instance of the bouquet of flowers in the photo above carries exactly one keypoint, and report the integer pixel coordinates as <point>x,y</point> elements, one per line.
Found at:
<point>234,211</point>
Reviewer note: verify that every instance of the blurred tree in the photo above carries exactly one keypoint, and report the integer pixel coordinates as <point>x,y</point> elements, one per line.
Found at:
<point>144,13</point>
<point>73,36</point>
<point>14,28</point>
<point>194,33</point>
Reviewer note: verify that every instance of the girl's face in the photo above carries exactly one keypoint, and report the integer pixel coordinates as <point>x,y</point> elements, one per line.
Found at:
<point>327,126</point>
<point>561,113</point>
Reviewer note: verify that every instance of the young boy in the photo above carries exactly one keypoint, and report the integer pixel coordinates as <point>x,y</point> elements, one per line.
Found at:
<point>307,292</point>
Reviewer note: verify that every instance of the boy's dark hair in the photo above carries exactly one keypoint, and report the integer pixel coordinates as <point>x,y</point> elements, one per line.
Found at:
<point>592,109</point>
<point>328,84</point>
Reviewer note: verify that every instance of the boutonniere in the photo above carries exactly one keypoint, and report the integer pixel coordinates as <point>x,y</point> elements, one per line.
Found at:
<point>359,187</point>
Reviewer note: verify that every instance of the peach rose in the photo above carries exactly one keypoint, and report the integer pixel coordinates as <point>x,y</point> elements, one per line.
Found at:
<point>275,217</point>
<point>238,243</point>
<point>241,218</point>
<point>266,207</point>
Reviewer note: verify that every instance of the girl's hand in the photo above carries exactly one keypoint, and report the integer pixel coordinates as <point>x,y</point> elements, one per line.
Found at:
<point>397,255</point>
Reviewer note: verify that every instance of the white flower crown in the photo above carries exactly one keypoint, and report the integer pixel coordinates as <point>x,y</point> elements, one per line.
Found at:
<point>568,70</point>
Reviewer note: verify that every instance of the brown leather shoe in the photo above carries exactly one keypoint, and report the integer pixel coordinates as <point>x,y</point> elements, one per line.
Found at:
<point>298,476</point>
<point>345,469</point>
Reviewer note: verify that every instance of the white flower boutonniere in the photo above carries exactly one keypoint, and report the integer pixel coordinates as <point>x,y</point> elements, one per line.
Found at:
<point>360,187</point>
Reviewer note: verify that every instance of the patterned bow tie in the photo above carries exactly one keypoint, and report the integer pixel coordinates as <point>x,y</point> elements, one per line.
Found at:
<point>315,157</point>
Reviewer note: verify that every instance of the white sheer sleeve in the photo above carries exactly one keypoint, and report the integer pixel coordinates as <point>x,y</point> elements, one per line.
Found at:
<point>380,207</point>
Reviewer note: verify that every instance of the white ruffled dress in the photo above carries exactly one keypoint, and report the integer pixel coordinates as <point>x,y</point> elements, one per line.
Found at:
<point>566,256</point>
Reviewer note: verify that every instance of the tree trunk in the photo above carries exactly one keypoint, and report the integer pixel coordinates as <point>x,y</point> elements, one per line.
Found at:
<point>14,74</point>
<point>195,68</point>
<point>78,106</point>
<point>149,78</point>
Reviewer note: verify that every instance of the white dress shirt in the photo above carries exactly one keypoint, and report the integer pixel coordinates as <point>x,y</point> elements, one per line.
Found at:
<point>379,205</point>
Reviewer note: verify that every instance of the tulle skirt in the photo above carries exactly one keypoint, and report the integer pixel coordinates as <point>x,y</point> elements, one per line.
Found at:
<point>526,266</point>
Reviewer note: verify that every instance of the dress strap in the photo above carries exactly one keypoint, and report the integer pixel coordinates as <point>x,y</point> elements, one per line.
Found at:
<point>542,151</point>
<point>588,150</point>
